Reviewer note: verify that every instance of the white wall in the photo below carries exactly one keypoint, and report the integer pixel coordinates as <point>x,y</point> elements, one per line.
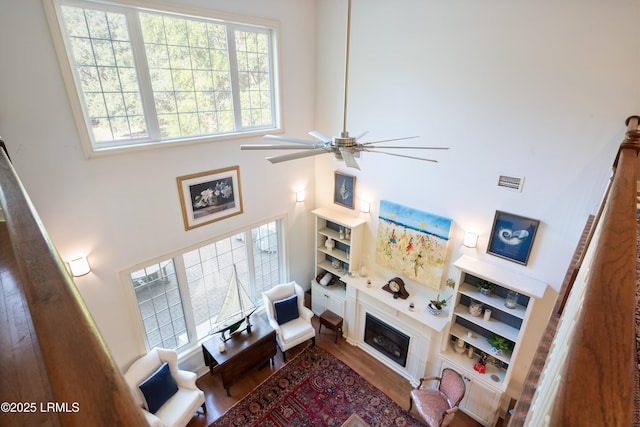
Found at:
<point>124,209</point>
<point>533,89</point>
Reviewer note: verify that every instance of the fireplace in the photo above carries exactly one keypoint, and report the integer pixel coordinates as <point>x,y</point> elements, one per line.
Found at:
<point>386,339</point>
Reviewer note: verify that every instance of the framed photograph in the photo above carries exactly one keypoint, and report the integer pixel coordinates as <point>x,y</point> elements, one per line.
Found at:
<point>210,196</point>
<point>344,190</point>
<point>512,237</point>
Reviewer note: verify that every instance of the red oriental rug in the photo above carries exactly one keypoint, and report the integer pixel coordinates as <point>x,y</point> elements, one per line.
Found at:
<point>315,389</point>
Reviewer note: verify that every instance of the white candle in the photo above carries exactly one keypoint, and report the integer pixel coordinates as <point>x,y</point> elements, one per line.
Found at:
<point>487,315</point>
<point>221,347</point>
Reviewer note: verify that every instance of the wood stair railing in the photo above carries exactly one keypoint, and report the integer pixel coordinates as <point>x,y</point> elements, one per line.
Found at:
<point>86,386</point>
<point>585,369</point>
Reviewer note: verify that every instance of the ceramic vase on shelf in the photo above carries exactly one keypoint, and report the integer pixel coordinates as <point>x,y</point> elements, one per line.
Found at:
<point>475,308</point>
<point>329,244</point>
<point>511,301</point>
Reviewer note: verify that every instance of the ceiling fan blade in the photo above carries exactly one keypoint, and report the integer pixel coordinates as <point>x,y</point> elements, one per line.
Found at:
<point>296,155</point>
<point>321,136</point>
<point>416,148</point>
<point>400,155</point>
<point>349,159</point>
<point>276,147</point>
<point>288,139</point>
<point>389,140</point>
<point>361,135</point>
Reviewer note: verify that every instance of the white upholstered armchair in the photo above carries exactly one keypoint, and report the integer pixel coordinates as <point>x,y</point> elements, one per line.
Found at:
<point>284,305</point>
<point>167,395</point>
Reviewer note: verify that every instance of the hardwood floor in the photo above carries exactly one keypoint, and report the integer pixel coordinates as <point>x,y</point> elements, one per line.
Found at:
<point>395,386</point>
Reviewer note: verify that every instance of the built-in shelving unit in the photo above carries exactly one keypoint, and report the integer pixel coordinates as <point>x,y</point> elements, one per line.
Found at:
<point>346,232</point>
<point>338,259</point>
<point>484,390</point>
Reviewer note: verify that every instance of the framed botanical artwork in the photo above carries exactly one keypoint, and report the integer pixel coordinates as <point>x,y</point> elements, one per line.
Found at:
<point>344,190</point>
<point>210,196</point>
<point>512,237</point>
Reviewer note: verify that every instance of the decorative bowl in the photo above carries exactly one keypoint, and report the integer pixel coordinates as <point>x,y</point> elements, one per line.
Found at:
<point>433,310</point>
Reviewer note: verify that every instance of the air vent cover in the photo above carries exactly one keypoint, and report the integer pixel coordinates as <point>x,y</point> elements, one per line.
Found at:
<point>513,183</point>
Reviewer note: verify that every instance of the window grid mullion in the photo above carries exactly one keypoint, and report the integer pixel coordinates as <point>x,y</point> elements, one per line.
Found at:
<point>183,285</point>
<point>144,75</point>
<point>250,261</point>
<point>235,78</point>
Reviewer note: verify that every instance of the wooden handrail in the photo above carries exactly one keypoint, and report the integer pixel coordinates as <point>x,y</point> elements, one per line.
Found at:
<point>596,386</point>
<point>83,378</point>
<point>597,375</point>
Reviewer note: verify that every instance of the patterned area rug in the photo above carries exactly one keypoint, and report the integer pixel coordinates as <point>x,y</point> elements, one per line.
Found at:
<point>315,389</point>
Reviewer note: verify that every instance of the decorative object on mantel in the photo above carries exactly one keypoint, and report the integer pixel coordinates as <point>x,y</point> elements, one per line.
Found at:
<point>512,237</point>
<point>210,196</point>
<point>412,242</point>
<point>436,305</point>
<point>485,287</point>
<point>396,286</point>
<point>499,345</point>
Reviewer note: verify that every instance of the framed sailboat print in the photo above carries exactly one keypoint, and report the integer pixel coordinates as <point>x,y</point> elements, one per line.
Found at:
<point>344,190</point>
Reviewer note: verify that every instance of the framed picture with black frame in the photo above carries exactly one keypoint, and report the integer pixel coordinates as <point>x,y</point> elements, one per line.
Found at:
<point>512,237</point>
<point>344,190</point>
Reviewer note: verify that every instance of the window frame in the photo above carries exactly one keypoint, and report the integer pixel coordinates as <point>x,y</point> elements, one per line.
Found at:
<point>193,343</point>
<point>129,8</point>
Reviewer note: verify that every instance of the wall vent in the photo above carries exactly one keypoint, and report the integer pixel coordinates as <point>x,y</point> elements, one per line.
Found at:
<point>513,183</point>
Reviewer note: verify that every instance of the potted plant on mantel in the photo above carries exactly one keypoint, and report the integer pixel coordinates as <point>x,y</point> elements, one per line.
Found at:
<point>485,287</point>
<point>436,305</point>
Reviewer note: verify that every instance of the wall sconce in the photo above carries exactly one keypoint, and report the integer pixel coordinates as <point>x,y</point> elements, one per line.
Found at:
<point>300,195</point>
<point>470,239</point>
<point>365,206</point>
<point>79,267</point>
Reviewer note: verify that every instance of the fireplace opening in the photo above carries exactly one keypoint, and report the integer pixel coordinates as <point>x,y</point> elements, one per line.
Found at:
<point>386,339</point>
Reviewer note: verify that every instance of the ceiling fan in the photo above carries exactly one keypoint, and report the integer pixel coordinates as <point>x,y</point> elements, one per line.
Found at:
<point>343,147</point>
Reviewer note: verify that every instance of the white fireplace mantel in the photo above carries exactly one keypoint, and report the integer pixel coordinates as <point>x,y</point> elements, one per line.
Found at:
<point>422,327</point>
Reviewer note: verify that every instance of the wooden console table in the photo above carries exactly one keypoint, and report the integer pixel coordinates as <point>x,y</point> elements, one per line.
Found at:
<point>243,352</point>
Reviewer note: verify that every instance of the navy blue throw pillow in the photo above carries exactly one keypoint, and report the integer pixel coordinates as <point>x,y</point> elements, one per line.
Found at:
<point>158,388</point>
<point>286,309</point>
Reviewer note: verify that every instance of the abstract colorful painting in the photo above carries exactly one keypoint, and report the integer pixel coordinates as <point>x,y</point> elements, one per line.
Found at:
<point>412,243</point>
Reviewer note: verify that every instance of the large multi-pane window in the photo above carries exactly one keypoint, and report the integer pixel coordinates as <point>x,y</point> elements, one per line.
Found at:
<point>146,76</point>
<point>180,297</point>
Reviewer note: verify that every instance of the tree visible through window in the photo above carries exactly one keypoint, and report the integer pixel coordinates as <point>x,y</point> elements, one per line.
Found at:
<point>151,76</point>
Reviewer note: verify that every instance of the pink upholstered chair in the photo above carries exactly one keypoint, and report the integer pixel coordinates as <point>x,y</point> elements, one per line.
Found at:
<point>438,406</point>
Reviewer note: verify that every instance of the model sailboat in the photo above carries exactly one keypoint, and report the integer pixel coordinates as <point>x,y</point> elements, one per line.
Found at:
<point>236,309</point>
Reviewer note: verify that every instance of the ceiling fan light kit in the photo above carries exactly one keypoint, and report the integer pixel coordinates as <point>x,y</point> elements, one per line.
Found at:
<point>344,147</point>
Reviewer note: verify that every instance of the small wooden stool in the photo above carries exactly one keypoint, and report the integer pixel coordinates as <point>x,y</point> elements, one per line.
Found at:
<point>332,321</point>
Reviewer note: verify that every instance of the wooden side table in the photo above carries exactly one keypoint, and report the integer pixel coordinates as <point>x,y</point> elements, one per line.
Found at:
<point>330,320</point>
<point>242,352</point>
